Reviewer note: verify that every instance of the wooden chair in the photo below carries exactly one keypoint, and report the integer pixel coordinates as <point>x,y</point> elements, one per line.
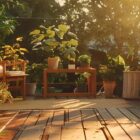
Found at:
<point>15,79</point>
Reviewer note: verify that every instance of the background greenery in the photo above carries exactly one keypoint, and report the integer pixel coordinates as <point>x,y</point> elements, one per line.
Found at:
<point>104,25</point>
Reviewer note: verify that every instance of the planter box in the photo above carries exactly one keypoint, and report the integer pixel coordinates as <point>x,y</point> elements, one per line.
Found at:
<point>131,85</point>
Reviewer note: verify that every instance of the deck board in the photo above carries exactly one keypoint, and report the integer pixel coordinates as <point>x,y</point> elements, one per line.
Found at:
<point>90,123</point>
<point>52,133</point>
<point>117,132</point>
<point>90,119</point>
<point>72,134</point>
<point>71,124</point>
<point>131,116</point>
<point>132,131</point>
<point>105,116</point>
<point>135,111</point>
<point>118,116</point>
<point>45,117</point>
<point>58,118</point>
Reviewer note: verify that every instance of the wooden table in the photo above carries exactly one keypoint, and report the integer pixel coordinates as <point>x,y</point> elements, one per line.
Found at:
<point>91,82</point>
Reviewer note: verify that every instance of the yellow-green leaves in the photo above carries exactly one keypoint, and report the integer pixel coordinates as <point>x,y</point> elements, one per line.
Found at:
<point>63,28</point>
<point>38,39</point>
<point>13,52</point>
<point>23,50</point>
<point>50,33</point>
<point>35,32</point>
<point>73,42</point>
<point>57,39</point>
<point>51,42</point>
<point>70,43</point>
<point>19,39</point>
<point>119,60</point>
<point>6,47</point>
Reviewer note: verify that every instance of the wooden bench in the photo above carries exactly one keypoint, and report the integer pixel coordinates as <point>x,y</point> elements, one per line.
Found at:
<point>15,78</point>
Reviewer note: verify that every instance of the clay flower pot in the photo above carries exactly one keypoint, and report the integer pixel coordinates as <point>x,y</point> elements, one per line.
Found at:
<point>109,87</point>
<point>53,62</point>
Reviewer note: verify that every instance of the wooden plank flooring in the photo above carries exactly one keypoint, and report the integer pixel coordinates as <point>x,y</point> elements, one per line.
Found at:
<point>71,124</point>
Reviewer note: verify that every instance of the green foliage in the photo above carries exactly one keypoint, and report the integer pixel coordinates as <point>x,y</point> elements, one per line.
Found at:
<point>82,78</point>
<point>114,68</point>
<point>13,52</point>
<point>7,26</point>
<point>5,94</point>
<point>106,23</point>
<point>8,10</point>
<point>56,41</point>
<point>35,72</point>
<point>107,73</point>
<point>84,60</point>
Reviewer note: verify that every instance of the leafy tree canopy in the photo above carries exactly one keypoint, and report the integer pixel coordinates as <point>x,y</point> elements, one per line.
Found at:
<point>107,23</point>
<point>8,9</point>
<point>102,24</point>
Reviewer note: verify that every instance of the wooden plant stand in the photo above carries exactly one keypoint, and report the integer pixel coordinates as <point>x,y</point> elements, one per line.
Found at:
<point>91,82</point>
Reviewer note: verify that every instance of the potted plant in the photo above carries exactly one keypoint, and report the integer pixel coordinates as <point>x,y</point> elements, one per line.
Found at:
<point>81,82</point>
<point>13,53</point>
<point>84,61</point>
<point>35,77</point>
<point>57,42</point>
<point>112,75</point>
<point>108,75</point>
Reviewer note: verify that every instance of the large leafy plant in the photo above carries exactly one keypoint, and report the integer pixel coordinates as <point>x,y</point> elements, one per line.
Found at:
<point>56,41</point>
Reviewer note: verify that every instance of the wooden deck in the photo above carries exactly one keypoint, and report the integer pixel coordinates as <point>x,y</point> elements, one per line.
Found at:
<point>71,124</point>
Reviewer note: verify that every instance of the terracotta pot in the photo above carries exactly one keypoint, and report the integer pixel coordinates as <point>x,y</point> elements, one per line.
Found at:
<point>85,66</point>
<point>109,87</point>
<point>53,62</point>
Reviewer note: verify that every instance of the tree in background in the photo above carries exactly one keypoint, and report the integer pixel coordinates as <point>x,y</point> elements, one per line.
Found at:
<point>105,25</point>
<point>7,26</point>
